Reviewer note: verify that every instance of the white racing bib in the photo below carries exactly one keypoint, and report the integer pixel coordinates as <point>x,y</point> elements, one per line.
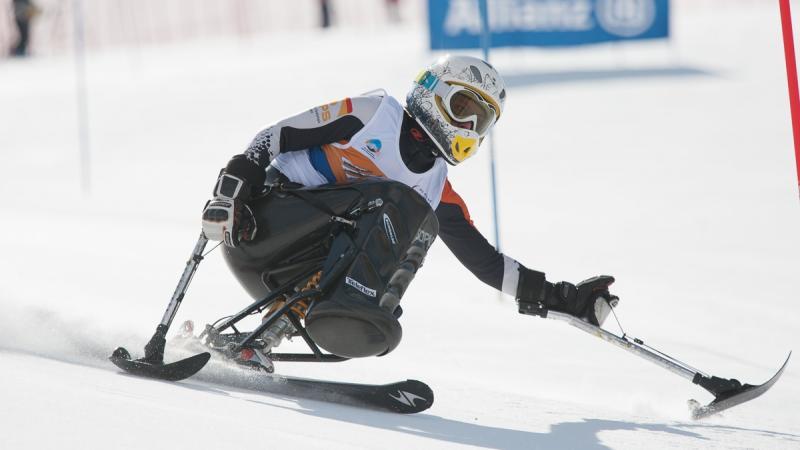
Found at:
<point>372,152</point>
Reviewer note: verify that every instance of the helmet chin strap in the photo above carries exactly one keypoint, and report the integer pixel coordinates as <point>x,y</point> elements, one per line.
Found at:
<point>437,149</point>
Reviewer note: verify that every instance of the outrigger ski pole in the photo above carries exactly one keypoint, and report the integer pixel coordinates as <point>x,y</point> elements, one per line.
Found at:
<point>152,365</point>
<point>727,392</point>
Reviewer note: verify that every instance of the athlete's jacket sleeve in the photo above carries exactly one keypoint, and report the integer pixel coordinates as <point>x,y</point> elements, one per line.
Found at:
<point>471,248</point>
<point>323,124</point>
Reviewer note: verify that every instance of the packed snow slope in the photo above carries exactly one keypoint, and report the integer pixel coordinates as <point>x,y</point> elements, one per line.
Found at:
<point>667,165</point>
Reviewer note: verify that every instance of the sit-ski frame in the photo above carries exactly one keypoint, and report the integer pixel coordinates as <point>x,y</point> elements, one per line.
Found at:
<point>727,392</point>
<point>212,333</point>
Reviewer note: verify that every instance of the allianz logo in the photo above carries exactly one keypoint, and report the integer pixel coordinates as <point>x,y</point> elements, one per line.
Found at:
<point>626,18</point>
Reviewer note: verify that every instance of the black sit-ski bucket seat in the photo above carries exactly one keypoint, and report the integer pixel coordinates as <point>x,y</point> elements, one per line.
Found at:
<point>368,238</point>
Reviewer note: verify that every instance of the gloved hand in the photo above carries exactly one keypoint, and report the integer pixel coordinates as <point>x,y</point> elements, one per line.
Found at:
<point>228,220</point>
<point>589,300</point>
<point>227,217</point>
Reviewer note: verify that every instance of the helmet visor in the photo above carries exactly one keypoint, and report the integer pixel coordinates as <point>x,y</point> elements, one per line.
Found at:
<point>470,110</point>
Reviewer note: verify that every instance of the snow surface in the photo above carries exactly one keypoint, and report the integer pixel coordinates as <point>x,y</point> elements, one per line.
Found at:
<point>669,166</point>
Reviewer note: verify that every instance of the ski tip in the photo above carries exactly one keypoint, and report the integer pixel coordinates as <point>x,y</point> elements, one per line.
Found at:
<point>780,371</point>
<point>120,353</point>
<point>786,362</point>
<point>424,388</point>
<point>410,397</point>
<point>746,393</point>
<point>175,371</point>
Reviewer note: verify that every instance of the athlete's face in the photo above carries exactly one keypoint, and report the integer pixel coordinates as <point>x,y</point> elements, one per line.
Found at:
<point>464,106</point>
<point>468,110</point>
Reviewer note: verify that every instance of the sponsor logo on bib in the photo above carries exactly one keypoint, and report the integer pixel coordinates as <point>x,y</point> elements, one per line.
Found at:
<point>372,147</point>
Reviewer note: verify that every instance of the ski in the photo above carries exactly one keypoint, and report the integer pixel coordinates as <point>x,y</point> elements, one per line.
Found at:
<point>725,401</point>
<point>404,397</point>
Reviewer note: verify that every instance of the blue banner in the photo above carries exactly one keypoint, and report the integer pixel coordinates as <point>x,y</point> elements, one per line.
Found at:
<point>546,23</point>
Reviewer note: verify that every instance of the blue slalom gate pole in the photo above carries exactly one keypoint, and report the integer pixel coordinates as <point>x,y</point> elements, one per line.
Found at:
<point>81,95</point>
<point>486,43</point>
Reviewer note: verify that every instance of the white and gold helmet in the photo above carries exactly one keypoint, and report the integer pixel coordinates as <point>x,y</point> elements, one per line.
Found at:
<point>456,101</point>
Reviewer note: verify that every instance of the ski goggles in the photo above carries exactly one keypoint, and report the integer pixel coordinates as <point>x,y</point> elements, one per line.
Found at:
<point>467,108</point>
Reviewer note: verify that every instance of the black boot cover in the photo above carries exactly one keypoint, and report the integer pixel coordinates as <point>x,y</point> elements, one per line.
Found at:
<point>356,316</point>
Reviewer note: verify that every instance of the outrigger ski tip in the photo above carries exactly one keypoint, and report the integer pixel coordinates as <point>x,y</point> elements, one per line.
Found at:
<point>152,365</point>
<point>175,371</point>
<point>730,398</point>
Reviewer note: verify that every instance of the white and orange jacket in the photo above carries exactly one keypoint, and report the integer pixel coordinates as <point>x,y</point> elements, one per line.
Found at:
<point>364,137</point>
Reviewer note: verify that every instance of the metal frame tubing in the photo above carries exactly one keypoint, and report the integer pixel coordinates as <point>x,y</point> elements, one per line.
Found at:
<point>255,306</point>
<point>672,365</point>
<point>186,278</point>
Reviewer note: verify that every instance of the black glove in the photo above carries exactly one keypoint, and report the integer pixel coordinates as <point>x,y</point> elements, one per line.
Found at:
<point>227,217</point>
<point>589,300</point>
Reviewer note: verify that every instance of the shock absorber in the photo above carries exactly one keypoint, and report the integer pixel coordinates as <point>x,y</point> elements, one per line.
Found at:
<point>283,327</point>
<point>273,335</point>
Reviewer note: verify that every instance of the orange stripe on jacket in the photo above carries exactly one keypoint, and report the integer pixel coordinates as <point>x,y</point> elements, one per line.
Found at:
<point>450,196</point>
<point>350,164</point>
<point>346,107</point>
